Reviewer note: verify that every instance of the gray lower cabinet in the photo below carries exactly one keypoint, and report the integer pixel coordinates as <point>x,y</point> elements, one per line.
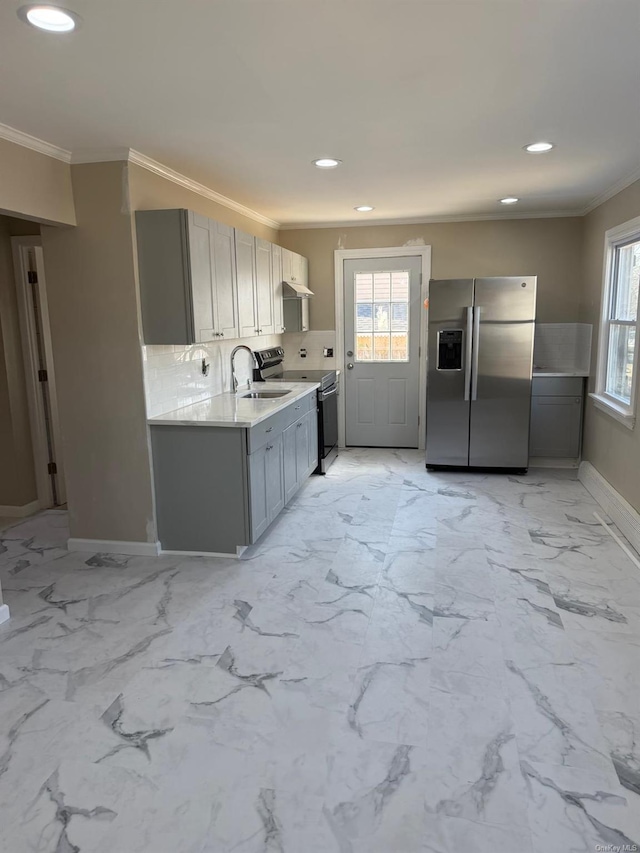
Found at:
<point>219,488</point>
<point>290,462</point>
<point>300,452</point>
<point>266,486</point>
<point>556,417</point>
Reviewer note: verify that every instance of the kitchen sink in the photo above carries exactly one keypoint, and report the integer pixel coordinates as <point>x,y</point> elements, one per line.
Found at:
<point>264,395</point>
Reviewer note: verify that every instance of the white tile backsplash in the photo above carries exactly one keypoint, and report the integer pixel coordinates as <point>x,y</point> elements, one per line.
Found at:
<point>314,343</point>
<point>563,347</point>
<point>173,374</point>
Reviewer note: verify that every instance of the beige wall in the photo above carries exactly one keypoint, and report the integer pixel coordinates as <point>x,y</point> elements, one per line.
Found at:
<point>17,475</point>
<point>612,448</point>
<point>548,248</point>
<point>94,325</point>
<point>149,191</point>
<point>34,185</point>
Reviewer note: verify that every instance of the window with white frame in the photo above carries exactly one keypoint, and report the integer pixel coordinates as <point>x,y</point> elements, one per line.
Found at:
<point>618,347</point>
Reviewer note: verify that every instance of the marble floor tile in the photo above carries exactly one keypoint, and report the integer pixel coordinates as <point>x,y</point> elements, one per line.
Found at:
<point>408,661</point>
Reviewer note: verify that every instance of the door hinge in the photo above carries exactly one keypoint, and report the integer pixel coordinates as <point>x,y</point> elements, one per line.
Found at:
<point>43,376</point>
<point>32,277</point>
<point>52,468</point>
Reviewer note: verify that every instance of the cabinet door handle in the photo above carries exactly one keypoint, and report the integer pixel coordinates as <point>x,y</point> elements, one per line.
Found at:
<point>297,407</point>
<point>222,334</point>
<point>269,446</point>
<point>269,429</point>
<point>299,425</point>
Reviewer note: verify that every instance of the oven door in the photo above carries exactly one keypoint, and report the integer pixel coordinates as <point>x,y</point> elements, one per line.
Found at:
<point>328,404</point>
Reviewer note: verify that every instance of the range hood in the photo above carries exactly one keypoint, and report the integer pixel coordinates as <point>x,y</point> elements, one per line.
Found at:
<point>293,290</point>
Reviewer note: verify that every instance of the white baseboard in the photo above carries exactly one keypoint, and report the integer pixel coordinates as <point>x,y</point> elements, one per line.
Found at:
<point>113,546</point>
<point>619,510</point>
<point>240,549</point>
<point>552,462</point>
<point>4,613</point>
<point>20,511</point>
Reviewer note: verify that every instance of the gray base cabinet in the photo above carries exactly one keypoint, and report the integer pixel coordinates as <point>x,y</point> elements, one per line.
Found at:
<point>219,488</point>
<point>556,417</point>
<point>266,486</point>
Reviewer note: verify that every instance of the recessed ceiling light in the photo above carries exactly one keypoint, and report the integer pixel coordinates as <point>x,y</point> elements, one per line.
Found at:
<point>364,208</point>
<point>53,19</point>
<point>538,147</point>
<point>327,163</point>
<point>510,199</point>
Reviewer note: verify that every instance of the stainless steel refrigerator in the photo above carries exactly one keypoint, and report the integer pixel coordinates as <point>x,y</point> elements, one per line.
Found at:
<point>479,372</point>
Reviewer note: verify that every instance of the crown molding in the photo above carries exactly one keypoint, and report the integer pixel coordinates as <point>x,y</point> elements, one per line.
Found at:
<point>18,137</point>
<point>171,175</point>
<point>613,190</point>
<point>106,155</point>
<point>130,155</point>
<point>99,155</point>
<point>432,220</point>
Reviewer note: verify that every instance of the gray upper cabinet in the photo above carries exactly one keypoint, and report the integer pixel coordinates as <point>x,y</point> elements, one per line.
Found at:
<point>276,283</point>
<point>263,288</point>
<point>175,276</point>
<point>201,280</point>
<point>246,272</point>
<point>294,267</point>
<point>186,265</point>
<point>225,309</point>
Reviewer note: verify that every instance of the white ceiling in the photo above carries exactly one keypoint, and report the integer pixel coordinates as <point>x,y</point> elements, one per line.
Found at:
<point>427,103</point>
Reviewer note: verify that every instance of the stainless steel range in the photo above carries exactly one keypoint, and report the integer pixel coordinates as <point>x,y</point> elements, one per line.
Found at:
<point>270,367</point>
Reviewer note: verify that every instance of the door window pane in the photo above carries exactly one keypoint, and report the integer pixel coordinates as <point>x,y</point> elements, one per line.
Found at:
<point>382,286</point>
<point>399,317</point>
<point>364,287</point>
<point>382,347</point>
<point>382,307</point>
<point>399,346</point>
<point>364,318</point>
<point>381,317</point>
<point>364,347</point>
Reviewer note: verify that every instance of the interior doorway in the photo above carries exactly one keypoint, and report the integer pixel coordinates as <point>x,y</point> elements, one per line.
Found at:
<point>37,351</point>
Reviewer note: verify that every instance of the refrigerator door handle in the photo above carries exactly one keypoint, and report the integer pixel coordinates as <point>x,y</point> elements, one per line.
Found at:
<point>476,349</point>
<point>467,355</point>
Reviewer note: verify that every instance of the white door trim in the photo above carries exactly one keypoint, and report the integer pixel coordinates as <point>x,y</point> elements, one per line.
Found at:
<point>342,255</point>
<point>20,247</point>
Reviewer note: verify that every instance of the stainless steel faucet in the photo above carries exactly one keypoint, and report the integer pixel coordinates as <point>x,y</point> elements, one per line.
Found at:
<point>234,381</point>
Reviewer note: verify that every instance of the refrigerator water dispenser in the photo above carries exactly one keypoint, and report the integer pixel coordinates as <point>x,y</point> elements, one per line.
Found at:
<point>450,349</point>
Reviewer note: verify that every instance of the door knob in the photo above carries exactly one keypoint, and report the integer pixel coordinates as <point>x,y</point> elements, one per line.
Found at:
<point>350,366</point>
<point>349,352</point>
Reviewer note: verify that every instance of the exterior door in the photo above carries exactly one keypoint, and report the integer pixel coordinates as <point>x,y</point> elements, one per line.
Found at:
<point>382,337</point>
<point>504,318</point>
<point>449,374</point>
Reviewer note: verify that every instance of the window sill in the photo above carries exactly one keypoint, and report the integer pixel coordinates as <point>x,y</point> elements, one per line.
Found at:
<point>618,412</point>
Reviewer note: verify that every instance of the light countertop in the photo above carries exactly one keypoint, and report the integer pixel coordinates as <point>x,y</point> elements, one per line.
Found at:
<point>559,374</point>
<point>231,410</point>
